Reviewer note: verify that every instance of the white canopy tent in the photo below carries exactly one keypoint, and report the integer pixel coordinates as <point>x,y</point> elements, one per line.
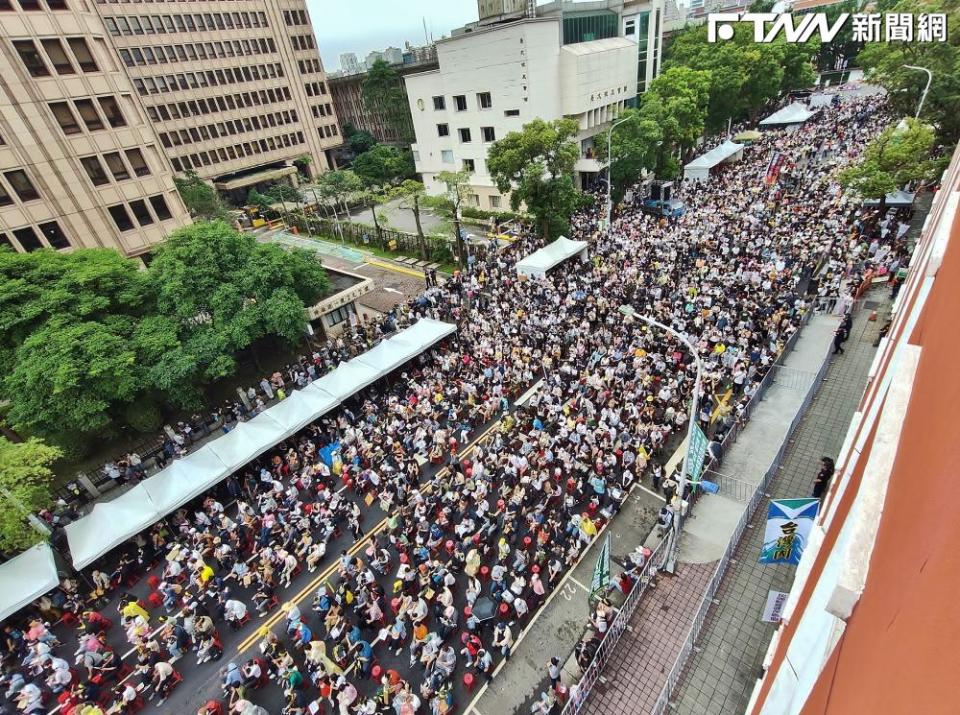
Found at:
<point>26,577</point>
<point>111,523</point>
<point>540,261</point>
<point>185,479</point>
<point>894,200</point>
<point>699,168</point>
<point>792,114</point>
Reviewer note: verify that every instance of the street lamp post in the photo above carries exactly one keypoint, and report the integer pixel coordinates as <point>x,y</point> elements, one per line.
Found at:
<point>925,89</point>
<point>610,164</point>
<point>671,562</point>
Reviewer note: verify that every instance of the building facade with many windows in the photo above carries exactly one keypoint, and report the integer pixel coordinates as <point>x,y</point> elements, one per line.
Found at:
<point>80,163</point>
<point>235,89</point>
<point>492,79</point>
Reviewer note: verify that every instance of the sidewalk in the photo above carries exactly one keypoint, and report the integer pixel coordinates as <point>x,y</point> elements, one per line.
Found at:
<point>637,670</point>
<point>720,676</point>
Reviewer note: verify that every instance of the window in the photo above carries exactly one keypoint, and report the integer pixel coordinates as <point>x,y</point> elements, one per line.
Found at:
<point>469,165</point>
<point>30,4</point>
<point>339,315</point>
<point>28,238</point>
<point>160,207</point>
<point>446,156</point>
<point>95,170</point>
<point>58,56</point>
<point>464,133</point>
<point>443,130</point>
<point>4,239</point>
<point>57,4</point>
<point>511,113</point>
<point>112,111</point>
<point>483,100</point>
<point>20,183</point>
<point>31,58</point>
<point>494,202</point>
<point>489,134</point>
<point>88,113</point>
<point>116,166</point>
<point>5,198</point>
<point>54,235</point>
<point>84,58</point>
<point>137,162</point>
<point>64,116</point>
<point>460,102</point>
<point>121,217</point>
<point>141,212</point>
<point>439,103</point>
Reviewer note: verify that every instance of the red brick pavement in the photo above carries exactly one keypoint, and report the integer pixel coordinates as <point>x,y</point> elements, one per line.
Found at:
<point>637,670</point>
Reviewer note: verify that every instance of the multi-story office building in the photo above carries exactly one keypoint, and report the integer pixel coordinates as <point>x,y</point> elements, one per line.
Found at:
<point>80,161</point>
<point>235,90</point>
<point>575,60</point>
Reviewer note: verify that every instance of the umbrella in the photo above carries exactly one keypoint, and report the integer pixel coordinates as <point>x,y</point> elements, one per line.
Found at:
<point>484,608</point>
<point>748,136</point>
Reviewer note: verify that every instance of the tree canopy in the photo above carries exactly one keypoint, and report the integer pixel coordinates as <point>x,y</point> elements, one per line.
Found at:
<point>884,63</point>
<point>899,155</point>
<point>536,166</point>
<point>384,93</point>
<point>383,165</point>
<point>218,291</point>
<point>25,479</point>
<point>636,143</point>
<point>89,342</point>
<point>200,198</point>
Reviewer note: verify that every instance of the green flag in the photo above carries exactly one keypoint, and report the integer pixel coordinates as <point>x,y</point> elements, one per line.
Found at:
<point>601,572</point>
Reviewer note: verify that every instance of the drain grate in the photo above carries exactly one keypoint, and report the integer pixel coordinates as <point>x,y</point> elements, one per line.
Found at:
<point>871,304</point>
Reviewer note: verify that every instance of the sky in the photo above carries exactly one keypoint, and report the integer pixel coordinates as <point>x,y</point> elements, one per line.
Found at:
<point>362,25</point>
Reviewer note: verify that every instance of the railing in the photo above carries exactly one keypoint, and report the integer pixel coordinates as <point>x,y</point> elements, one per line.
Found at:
<point>792,378</point>
<point>730,486</point>
<point>579,692</point>
<point>759,494</point>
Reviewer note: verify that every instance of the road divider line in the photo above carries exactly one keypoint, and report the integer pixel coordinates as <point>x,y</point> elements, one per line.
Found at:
<point>275,618</point>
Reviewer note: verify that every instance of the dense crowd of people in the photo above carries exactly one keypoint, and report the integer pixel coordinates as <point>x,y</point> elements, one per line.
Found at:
<point>476,532</point>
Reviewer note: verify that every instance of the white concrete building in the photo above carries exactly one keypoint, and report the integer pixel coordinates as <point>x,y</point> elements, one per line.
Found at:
<point>349,63</point>
<point>492,80</point>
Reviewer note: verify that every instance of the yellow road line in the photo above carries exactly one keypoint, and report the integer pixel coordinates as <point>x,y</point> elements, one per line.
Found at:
<point>275,618</point>
<point>391,267</point>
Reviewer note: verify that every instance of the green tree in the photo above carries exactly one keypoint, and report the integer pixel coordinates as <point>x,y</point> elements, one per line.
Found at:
<point>450,205</point>
<point>900,154</point>
<point>536,166</point>
<point>884,63</point>
<point>384,165</point>
<point>636,146</point>
<point>25,478</point>
<point>411,194</point>
<point>361,142</point>
<point>74,376</point>
<point>217,292</point>
<point>384,94</point>
<point>677,103</point>
<point>200,198</point>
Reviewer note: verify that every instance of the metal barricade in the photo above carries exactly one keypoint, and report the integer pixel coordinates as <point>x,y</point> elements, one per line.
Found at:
<point>579,692</point>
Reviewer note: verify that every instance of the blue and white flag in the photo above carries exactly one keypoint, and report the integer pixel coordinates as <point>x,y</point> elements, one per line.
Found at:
<point>789,522</point>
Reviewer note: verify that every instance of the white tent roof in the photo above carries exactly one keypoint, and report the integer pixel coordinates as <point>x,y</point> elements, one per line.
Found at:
<point>715,156</point>
<point>111,523</point>
<point>185,479</point>
<point>26,577</point>
<point>348,379</point>
<point>796,113</point>
<point>895,199</point>
<point>542,260</point>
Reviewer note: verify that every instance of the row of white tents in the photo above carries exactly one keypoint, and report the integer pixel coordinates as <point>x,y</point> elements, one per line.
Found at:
<point>789,117</point>
<point>110,523</point>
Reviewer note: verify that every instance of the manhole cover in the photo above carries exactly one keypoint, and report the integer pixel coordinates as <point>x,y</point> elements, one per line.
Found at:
<point>871,304</point>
